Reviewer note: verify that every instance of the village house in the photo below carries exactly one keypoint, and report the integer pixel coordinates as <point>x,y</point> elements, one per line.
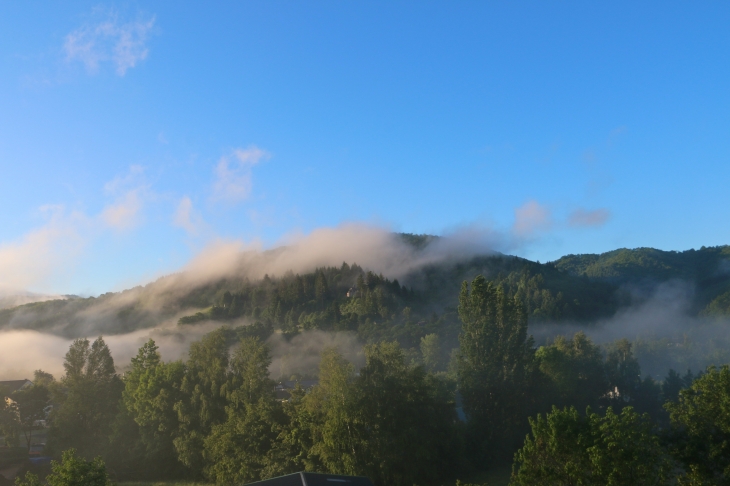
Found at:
<point>314,479</point>
<point>12,386</point>
<point>283,389</point>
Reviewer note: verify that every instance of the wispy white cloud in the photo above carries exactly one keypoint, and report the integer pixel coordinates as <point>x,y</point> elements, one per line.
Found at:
<point>187,218</point>
<point>122,44</point>
<point>42,252</point>
<point>128,190</point>
<point>13,297</point>
<point>48,253</point>
<point>582,218</point>
<point>531,218</point>
<point>125,213</point>
<point>121,182</point>
<point>233,174</point>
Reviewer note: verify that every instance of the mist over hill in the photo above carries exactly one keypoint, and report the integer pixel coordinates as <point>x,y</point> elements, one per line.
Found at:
<point>377,286</point>
<point>14,298</point>
<point>575,288</point>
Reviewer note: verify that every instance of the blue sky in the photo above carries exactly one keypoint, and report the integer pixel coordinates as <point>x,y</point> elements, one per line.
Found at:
<point>134,134</point>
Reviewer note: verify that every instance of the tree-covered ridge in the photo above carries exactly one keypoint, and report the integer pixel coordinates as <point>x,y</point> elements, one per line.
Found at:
<point>719,306</point>
<point>291,299</point>
<point>624,264</point>
<point>547,291</point>
<point>350,298</point>
<point>419,242</point>
<point>345,297</point>
<point>70,317</point>
<point>707,269</point>
<point>576,288</point>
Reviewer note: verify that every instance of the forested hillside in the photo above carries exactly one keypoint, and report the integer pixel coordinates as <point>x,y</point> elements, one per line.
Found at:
<point>402,418</point>
<point>348,297</point>
<point>447,338</point>
<point>707,269</point>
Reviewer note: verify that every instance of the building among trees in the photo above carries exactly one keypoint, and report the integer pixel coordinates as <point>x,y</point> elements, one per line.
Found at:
<point>12,386</point>
<point>314,479</point>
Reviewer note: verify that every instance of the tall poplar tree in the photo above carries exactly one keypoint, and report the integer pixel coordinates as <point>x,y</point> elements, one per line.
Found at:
<point>494,365</point>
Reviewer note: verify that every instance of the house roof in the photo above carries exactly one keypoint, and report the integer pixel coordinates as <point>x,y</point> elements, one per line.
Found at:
<point>293,384</point>
<point>15,385</point>
<point>283,389</point>
<point>314,479</point>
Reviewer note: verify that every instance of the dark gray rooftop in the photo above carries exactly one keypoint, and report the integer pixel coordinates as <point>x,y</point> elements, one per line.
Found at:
<point>14,385</point>
<point>314,479</point>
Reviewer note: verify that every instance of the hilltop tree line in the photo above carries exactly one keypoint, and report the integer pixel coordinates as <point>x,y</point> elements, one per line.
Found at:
<point>568,412</point>
<point>574,288</point>
<point>706,270</point>
<point>349,298</point>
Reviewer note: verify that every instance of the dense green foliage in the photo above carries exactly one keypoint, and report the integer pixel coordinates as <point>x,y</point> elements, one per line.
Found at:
<point>86,399</point>
<point>647,263</point>
<point>567,448</point>
<point>701,420</point>
<point>21,411</point>
<point>494,365</point>
<point>216,414</point>
<point>575,288</point>
<point>707,269</point>
<point>347,297</point>
<point>719,306</point>
<point>434,351</point>
<point>574,371</point>
<point>71,471</point>
<point>30,404</point>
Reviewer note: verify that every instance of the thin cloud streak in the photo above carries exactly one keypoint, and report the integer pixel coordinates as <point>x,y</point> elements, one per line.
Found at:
<point>581,218</point>
<point>125,214</point>
<point>122,44</point>
<point>43,252</point>
<point>53,249</point>
<point>233,174</point>
<point>187,218</point>
<point>130,191</point>
<point>532,218</point>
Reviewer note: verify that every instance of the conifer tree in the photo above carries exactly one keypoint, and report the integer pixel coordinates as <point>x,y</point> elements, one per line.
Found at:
<point>88,399</point>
